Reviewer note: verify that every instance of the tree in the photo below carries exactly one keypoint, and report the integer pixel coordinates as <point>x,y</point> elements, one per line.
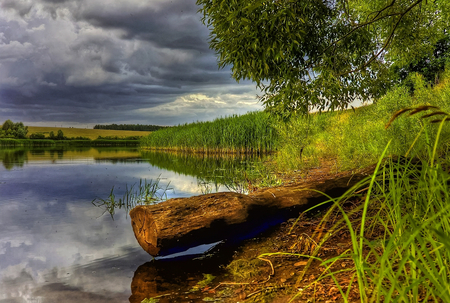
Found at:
<point>60,135</point>
<point>8,124</point>
<point>321,53</point>
<point>430,65</point>
<point>20,130</point>
<point>14,130</point>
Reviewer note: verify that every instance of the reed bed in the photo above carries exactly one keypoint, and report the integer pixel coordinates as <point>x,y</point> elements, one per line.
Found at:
<point>250,133</point>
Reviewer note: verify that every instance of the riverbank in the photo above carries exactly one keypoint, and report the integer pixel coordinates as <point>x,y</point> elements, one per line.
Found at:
<point>385,239</point>
<point>247,275</point>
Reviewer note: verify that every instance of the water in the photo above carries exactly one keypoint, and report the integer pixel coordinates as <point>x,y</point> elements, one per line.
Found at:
<point>56,246</point>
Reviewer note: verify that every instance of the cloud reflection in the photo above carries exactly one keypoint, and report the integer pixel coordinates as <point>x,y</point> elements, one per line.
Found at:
<point>55,246</point>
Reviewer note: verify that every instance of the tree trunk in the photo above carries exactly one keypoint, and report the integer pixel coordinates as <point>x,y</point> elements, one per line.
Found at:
<point>178,224</point>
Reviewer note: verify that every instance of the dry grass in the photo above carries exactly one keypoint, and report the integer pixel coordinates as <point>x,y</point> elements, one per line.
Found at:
<point>85,132</point>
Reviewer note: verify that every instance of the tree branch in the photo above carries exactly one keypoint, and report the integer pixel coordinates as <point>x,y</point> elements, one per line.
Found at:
<point>382,10</point>
<point>386,44</point>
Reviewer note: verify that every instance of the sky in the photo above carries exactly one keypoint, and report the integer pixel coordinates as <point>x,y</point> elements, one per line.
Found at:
<point>77,63</point>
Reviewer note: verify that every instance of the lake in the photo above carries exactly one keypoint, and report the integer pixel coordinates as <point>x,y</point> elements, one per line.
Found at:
<point>57,246</point>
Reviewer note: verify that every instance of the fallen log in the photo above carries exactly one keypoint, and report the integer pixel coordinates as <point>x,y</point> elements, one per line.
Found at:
<point>180,223</point>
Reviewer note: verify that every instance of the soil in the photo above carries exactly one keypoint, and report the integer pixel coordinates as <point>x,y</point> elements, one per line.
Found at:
<point>270,268</point>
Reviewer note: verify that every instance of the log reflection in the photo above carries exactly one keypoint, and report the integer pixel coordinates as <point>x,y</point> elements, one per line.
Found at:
<point>173,280</point>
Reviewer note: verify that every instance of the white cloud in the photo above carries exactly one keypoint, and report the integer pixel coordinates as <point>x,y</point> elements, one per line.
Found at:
<point>38,28</point>
<point>14,50</point>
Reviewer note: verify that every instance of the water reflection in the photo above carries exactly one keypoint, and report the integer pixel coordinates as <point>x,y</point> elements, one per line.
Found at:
<point>176,280</point>
<point>19,156</point>
<point>211,171</point>
<point>12,158</point>
<point>145,193</point>
<point>55,246</point>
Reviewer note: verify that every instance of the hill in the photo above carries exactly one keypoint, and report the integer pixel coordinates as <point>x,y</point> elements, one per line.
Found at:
<point>85,132</point>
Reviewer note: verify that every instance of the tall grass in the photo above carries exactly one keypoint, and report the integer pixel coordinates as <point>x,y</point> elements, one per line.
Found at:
<point>250,133</point>
<point>356,138</point>
<point>401,237</point>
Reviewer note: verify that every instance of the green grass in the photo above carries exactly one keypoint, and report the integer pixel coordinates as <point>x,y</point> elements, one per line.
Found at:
<point>400,232</point>
<point>355,139</point>
<point>250,133</point>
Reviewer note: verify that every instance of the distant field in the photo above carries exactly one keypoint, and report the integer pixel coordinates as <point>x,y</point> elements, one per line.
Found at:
<point>85,132</point>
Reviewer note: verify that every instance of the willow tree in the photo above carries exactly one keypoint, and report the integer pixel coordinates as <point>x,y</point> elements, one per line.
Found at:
<point>321,54</point>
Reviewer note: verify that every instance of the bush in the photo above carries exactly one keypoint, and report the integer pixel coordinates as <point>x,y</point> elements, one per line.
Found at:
<point>37,136</point>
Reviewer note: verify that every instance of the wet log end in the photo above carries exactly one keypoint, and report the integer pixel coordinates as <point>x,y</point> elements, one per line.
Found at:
<point>144,227</point>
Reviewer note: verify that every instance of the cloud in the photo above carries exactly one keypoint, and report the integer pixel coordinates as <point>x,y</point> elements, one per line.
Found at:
<point>203,106</point>
<point>104,61</point>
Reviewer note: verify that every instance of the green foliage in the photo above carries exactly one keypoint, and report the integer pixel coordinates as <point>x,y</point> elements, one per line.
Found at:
<point>8,124</point>
<point>13,130</point>
<point>321,54</point>
<point>399,231</point>
<point>250,133</point>
<point>356,138</point>
<point>37,136</point>
<point>59,135</point>
<point>429,66</point>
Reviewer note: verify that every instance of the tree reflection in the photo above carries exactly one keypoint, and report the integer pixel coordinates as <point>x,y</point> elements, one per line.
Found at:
<point>13,158</point>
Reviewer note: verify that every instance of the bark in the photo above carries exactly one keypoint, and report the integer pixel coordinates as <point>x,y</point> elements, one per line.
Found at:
<point>178,224</point>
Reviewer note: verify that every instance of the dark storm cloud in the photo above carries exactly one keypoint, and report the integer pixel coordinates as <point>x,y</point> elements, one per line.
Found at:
<point>111,61</point>
<point>175,26</point>
<point>20,7</point>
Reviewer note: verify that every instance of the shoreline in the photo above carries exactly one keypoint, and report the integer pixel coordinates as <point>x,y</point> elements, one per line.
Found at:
<point>275,275</point>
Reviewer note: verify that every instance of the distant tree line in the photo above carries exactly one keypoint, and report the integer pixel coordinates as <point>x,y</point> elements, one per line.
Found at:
<point>136,127</point>
<point>13,130</point>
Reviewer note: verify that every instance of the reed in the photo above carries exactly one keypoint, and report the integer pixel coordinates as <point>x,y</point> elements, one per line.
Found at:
<point>250,133</point>
<point>146,193</point>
